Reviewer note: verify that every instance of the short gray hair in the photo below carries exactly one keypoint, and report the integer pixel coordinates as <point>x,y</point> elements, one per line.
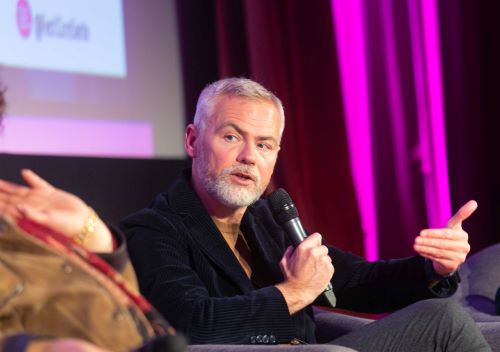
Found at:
<point>235,87</point>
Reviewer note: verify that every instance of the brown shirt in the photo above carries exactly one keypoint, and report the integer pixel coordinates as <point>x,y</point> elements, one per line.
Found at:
<point>232,234</point>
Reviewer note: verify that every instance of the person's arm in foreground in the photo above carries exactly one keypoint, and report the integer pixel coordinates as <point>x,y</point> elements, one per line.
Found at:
<point>66,214</point>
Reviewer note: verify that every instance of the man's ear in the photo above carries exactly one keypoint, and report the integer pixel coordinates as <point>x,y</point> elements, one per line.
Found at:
<point>190,140</point>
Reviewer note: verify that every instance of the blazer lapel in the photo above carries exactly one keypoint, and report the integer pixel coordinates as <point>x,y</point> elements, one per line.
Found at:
<point>262,244</point>
<point>211,242</point>
<point>203,230</point>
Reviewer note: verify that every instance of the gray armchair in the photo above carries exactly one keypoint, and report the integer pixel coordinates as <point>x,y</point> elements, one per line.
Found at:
<point>480,276</point>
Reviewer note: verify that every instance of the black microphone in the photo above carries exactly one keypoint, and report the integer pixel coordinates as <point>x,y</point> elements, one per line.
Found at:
<point>287,216</point>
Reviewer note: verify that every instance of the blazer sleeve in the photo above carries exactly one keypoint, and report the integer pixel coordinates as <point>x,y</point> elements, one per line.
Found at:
<point>384,285</point>
<point>168,277</point>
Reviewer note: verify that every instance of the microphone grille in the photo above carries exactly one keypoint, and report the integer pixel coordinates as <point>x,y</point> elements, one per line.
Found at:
<point>282,206</point>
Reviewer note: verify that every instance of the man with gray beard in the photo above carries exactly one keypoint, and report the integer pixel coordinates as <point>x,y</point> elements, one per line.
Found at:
<point>212,259</point>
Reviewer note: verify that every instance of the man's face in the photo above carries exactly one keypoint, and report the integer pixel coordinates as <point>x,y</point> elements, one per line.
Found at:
<point>236,153</point>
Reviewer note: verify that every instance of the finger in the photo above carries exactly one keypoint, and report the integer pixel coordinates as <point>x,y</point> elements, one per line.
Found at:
<point>33,214</point>
<point>34,180</point>
<point>327,259</point>
<point>444,245</point>
<point>15,197</point>
<point>285,258</point>
<point>10,188</point>
<point>8,208</point>
<point>5,198</point>
<point>320,251</point>
<point>313,240</point>
<point>441,254</point>
<point>288,252</point>
<point>310,242</point>
<point>463,213</point>
<point>445,233</point>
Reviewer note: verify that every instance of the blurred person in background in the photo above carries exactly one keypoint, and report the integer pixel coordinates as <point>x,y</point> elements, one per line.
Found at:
<point>66,281</point>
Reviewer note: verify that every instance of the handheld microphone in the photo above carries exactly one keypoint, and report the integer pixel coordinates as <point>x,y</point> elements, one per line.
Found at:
<point>287,216</point>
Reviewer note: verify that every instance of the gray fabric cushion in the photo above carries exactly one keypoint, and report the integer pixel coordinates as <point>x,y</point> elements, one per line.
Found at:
<point>491,332</point>
<point>480,276</point>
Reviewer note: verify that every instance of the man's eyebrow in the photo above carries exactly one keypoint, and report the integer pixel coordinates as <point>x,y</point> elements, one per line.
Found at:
<point>240,131</point>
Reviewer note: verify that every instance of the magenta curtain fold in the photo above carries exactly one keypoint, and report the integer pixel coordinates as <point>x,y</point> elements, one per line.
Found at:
<point>349,26</point>
<point>391,48</point>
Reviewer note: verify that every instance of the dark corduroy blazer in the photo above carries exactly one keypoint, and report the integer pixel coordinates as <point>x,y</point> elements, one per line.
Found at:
<point>186,269</point>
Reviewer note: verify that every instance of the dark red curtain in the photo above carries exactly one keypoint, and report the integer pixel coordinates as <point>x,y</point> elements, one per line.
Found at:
<point>471,53</point>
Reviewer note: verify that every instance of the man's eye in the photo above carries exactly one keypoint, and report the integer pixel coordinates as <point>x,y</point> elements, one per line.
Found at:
<point>264,146</point>
<point>230,138</point>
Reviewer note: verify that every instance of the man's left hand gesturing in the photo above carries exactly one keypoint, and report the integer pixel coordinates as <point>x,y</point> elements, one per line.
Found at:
<point>447,248</point>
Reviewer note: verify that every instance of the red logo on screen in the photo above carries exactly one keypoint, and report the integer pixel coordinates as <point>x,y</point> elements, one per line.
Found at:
<point>24,18</point>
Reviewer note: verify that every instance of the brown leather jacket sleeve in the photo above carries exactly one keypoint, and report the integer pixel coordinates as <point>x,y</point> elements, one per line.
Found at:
<point>38,287</point>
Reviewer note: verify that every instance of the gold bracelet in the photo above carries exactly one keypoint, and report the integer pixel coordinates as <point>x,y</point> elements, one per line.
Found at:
<point>88,228</point>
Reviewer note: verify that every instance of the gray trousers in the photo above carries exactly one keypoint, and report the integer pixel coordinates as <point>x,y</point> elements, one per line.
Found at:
<point>430,325</point>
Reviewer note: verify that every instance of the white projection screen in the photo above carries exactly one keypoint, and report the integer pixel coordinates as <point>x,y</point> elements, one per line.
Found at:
<point>91,78</point>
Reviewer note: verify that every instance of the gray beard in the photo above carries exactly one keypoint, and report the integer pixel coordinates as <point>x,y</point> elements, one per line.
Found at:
<point>229,194</point>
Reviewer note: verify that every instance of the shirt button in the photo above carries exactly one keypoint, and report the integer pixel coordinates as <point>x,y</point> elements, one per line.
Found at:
<point>259,339</point>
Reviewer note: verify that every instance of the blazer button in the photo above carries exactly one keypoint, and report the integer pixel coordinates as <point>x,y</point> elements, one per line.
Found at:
<point>272,339</point>
<point>252,339</point>
<point>259,339</point>
<point>265,339</point>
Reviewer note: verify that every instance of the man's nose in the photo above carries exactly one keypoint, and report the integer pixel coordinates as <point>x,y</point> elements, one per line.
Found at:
<point>247,154</point>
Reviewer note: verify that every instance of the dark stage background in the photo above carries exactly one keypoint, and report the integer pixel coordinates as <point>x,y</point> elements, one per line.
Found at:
<point>113,187</point>
<point>290,47</point>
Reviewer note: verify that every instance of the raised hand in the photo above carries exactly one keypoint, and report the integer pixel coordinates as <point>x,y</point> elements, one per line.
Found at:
<point>51,207</point>
<point>447,247</point>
